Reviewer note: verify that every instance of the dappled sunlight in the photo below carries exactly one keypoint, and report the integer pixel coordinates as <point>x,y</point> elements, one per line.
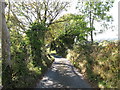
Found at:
<point>37,38</point>
<point>62,74</point>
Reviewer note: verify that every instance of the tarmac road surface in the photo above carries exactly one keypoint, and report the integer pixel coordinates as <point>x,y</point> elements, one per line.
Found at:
<point>62,74</point>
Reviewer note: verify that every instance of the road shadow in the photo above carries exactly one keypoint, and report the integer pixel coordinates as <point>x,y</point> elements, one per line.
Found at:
<point>72,67</point>
<point>62,75</point>
<point>54,55</point>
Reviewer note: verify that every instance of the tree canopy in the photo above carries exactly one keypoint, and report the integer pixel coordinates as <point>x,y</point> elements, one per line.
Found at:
<point>33,30</point>
<point>95,10</point>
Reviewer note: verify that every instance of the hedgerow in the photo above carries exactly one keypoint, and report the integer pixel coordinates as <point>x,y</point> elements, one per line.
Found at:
<point>29,59</point>
<point>98,63</point>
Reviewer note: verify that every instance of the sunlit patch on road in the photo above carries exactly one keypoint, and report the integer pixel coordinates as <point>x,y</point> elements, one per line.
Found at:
<point>62,74</point>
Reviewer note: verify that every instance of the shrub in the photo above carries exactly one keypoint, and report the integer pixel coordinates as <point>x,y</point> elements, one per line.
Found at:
<point>24,53</point>
<point>99,63</point>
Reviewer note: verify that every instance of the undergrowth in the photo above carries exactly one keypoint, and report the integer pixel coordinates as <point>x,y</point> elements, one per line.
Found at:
<point>29,59</point>
<point>99,63</point>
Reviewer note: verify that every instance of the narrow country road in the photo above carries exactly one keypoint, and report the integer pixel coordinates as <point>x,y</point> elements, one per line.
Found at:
<point>62,74</point>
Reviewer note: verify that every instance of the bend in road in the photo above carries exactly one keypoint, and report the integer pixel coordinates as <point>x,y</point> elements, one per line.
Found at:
<point>62,74</point>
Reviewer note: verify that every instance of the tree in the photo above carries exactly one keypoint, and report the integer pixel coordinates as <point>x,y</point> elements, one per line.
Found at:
<point>6,62</point>
<point>72,25</point>
<point>36,40</point>
<point>95,11</point>
<point>45,11</point>
<point>65,34</point>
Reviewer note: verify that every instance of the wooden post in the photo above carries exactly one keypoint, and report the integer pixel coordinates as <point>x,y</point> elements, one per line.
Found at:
<point>0,44</point>
<point>119,20</point>
<point>6,66</point>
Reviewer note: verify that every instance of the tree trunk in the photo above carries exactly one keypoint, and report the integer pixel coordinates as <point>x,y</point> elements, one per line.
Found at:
<point>6,66</point>
<point>92,30</point>
<point>91,34</point>
<point>0,47</point>
<point>91,26</point>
